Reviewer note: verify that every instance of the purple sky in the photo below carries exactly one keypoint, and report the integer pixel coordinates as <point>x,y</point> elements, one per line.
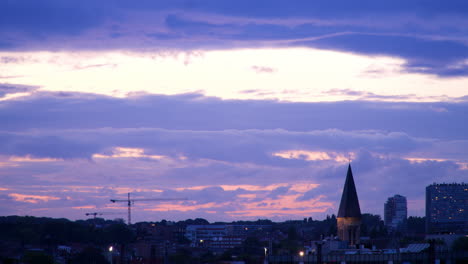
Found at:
<point>249,110</point>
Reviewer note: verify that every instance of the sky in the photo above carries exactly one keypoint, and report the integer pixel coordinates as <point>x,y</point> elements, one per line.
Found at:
<point>249,109</point>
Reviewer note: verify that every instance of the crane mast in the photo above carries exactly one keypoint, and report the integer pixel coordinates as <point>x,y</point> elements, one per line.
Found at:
<point>129,211</point>
<point>132,201</point>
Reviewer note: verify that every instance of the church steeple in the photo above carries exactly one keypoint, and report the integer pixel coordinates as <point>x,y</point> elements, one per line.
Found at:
<point>349,214</point>
<point>349,206</point>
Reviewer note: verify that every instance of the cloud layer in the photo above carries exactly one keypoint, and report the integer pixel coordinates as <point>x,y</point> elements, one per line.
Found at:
<point>67,154</point>
<point>223,102</point>
<point>429,36</point>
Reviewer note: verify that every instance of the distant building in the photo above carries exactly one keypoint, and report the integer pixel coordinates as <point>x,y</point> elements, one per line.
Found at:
<point>395,213</point>
<point>201,234</point>
<point>222,236</point>
<point>349,214</point>
<point>447,208</point>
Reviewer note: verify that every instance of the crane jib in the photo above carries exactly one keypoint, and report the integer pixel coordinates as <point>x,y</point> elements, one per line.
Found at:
<point>130,201</point>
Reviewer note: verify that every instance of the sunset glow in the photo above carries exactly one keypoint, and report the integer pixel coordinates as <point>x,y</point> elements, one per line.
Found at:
<point>248,110</point>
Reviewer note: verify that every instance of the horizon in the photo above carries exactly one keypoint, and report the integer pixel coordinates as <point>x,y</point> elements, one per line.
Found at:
<point>250,110</point>
<point>175,221</point>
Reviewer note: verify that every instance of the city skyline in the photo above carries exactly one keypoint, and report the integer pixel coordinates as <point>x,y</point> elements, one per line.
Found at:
<point>249,110</point>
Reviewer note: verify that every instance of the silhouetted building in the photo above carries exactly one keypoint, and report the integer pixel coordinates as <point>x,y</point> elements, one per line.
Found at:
<point>349,214</point>
<point>446,208</point>
<point>222,236</point>
<point>395,213</point>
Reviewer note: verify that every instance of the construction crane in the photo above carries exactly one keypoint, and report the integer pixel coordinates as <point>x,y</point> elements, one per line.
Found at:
<point>132,201</point>
<point>101,213</point>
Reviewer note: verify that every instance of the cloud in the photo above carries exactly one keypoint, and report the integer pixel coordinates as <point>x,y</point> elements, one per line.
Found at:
<point>49,146</point>
<point>430,36</point>
<point>248,159</point>
<point>8,89</point>
<point>441,57</point>
<point>31,198</point>
<point>263,69</point>
<point>370,96</point>
<point>194,112</point>
<point>376,178</point>
<point>172,128</point>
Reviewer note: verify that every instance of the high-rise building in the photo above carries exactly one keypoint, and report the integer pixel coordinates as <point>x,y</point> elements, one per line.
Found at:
<point>349,214</point>
<point>447,208</point>
<point>395,213</point>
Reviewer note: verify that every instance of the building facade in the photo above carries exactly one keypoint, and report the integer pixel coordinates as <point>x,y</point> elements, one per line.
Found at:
<point>221,236</point>
<point>395,213</point>
<point>349,214</point>
<point>447,208</point>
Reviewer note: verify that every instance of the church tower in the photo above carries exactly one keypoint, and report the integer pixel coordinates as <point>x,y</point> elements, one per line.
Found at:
<point>349,214</point>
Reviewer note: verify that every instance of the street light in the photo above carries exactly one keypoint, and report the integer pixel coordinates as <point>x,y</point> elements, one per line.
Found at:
<point>301,255</point>
<point>111,248</point>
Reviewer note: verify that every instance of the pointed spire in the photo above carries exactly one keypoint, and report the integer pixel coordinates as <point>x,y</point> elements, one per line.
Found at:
<point>349,206</point>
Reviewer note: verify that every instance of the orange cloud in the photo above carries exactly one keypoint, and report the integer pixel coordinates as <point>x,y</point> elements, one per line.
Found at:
<point>85,207</point>
<point>303,187</point>
<point>283,205</point>
<point>120,152</point>
<point>26,198</point>
<point>194,188</point>
<point>7,164</point>
<point>248,187</point>
<point>314,155</point>
<point>247,196</point>
<point>81,189</point>
<point>421,160</point>
<point>462,165</point>
<point>122,190</point>
<point>298,187</point>
<point>28,158</point>
<point>184,207</point>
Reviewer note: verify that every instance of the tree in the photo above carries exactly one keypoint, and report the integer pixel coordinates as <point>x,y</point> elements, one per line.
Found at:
<point>37,257</point>
<point>252,246</point>
<point>90,255</point>
<point>460,244</point>
<point>182,256</point>
<point>292,233</point>
<point>416,225</point>
<point>118,233</point>
<point>372,225</point>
